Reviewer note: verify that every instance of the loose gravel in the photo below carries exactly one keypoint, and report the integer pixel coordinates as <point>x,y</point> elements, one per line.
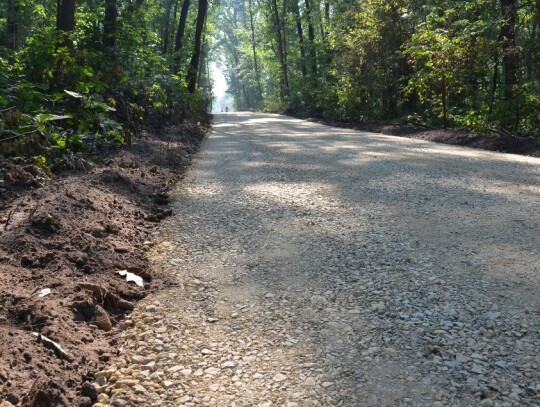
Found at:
<point>327,267</point>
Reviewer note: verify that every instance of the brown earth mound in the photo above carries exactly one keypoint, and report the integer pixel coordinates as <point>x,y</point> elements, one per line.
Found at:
<point>62,242</point>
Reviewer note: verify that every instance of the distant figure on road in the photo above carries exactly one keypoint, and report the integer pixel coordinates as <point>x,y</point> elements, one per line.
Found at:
<point>226,108</point>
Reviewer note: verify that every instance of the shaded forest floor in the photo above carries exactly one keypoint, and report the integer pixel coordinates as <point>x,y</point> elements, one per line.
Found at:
<point>62,242</point>
<point>506,144</point>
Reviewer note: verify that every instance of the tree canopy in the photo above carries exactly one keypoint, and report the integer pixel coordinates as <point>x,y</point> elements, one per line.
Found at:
<point>83,75</point>
<point>460,63</point>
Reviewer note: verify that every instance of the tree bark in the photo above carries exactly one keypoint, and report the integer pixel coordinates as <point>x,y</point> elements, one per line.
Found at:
<point>167,28</point>
<point>280,49</point>
<point>300,32</point>
<point>109,23</point>
<point>12,24</point>
<point>510,58</point>
<point>65,15</point>
<point>326,18</point>
<point>196,56</point>
<point>255,60</point>
<point>311,37</point>
<point>179,43</point>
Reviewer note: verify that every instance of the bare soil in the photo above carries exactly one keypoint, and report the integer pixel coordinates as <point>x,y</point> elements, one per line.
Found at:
<point>529,146</point>
<point>72,233</point>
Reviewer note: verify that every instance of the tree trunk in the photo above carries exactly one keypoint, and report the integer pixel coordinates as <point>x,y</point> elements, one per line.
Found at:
<point>311,37</point>
<point>12,24</point>
<point>196,56</point>
<point>167,28</point>
<point>326,18</point>
<point>280,49</point>
<point>65,15</point>
<point>109,23</point>
<point>300,32</point>
<point>179,43</point>
<point>510,59</point>
<point>255,60</point>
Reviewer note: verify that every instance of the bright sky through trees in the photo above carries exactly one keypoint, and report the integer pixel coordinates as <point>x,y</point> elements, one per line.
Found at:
<point>219,83</point>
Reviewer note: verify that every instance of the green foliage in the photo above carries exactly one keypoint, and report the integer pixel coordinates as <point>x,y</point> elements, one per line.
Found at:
<point>431,62</point>
<point>64,93</point>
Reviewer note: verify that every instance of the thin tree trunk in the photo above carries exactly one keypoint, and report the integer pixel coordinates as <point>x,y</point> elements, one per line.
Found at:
<point>253,46</point>
<point>196,56</point>
<point>179,43</point>
<point>444,97</point>
<point>167,28</point>
<point>326,18</point>
<point>12,24</point>
<point>510,54</point>
<point>311,37</point>
<point>65,15</point>
<point>109,23</point>
<point>280,50</point>
<point>300,32</point>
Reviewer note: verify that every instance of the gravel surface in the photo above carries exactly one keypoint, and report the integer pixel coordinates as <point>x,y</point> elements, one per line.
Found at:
<point>327,267</point>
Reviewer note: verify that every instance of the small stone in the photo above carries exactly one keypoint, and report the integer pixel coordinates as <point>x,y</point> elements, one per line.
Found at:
<point>119,403</point>
<point>120,248</point>
<point>139,389</point>
<point>140,360</point>
<point>151,308</point>
<point>492,316</point>
<point>501,364</point>
<point>327,384</point>
<point>477,369</point>
<point>168,384</point>
<point>126,382</point>
<point>279,377</point>
<point>461,358</point>
<point>212,320</point>
<point>88,390</point>
<point>101,319</point>
<point>378,307</point>
<point>228,365</point>
<point>310,381</point>
<point>12,398</point>
<point>212,371</point>
<point>207,352</point>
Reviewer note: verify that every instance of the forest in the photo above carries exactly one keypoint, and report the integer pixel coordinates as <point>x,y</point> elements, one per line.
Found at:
<point>468,64</point>
<point>84,75</point>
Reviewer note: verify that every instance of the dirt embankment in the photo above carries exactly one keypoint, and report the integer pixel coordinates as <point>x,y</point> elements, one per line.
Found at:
<point>505,144</point>
<point>62,242</point>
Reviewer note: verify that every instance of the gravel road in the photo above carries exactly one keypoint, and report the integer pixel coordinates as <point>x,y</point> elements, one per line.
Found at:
<point>327,267</point>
